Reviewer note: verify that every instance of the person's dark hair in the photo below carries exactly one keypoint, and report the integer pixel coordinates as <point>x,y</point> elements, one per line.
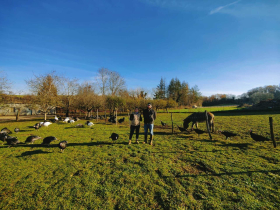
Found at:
<point>136,108</point>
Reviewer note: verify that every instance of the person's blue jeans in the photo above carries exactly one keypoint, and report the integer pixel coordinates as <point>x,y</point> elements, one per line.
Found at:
<point>150,127</point>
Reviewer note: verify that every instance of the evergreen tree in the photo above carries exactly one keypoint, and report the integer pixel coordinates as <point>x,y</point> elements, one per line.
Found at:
<point>174,89</point>
<point>161,90</point>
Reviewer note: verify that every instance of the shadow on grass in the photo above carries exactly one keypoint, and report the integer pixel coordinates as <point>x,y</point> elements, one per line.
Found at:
<point>26,130</point>
<point>240,146</point>
<point>224,174</point>
<point>74,127</point>
<point>243,112</point>
<point>162,133</point>
<point>193,151</point>
<point>206,140</point>
<point>35,152</point>
<point>68,145</point>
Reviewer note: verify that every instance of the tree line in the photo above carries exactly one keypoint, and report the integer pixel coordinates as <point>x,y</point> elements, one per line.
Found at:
<point>109,92</point>
<point>252,96</point>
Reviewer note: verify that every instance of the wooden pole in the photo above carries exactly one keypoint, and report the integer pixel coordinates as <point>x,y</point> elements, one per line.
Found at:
<point>207,125</point>
<point>172,123</point>
<point>97,115</point>
<point>271,131</point>
<point>116,116</point>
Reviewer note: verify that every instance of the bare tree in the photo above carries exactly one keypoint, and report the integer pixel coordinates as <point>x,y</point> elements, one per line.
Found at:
<point>69,91</point>
<point>103,79</point>
<point>87,99</point>
<point>45,88</point>
<point>5,84</point>
<point>116,83</point>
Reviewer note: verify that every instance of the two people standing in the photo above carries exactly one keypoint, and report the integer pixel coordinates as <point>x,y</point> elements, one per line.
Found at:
<point>149,118</point>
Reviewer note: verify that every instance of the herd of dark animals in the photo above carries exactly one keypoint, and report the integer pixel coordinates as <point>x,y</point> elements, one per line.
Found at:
<point>195,118</point>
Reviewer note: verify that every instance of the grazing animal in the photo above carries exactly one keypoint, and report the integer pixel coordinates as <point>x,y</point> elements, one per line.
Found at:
<point>6,130</point>
<point>56,118</point>
<point>195,118</point>
<point>80,126</point>
<point>37,126</point>
<point>76,118</point>
<point>121,120</point>
<point>16,130</point>
<point>88,123</point>
<point>163,124</point>
<point>257,137</point>
<point>53,120</point>
<point>62,145</point>
<point>114,136</point>
<point>181,129</point>
<point>31,139</point>
<point>112,119</point>
<point>12,140</point>
<point>3,137</point>
<point>41,123</point>
<point>49,139</point>
<point>228,134</point>
<point>71,121</point>
<point>198,131</point>
<point>66,119</point>
<point>46,124</point>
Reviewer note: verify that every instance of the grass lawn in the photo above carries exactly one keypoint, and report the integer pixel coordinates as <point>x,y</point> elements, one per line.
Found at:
<point>202,109</point>
<point>182,171</point>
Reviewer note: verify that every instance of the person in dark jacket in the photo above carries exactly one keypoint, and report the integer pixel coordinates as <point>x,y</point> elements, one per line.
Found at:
<point>149,118</point>
<point>135,119</point>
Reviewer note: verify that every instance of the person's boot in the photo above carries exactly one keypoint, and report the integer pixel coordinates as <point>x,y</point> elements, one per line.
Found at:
<point>145,141</point>
<point>151,139</point>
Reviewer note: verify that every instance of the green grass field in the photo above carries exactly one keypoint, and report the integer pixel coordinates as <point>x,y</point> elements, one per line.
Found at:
<point>182,171</point>
<point>202,109</point>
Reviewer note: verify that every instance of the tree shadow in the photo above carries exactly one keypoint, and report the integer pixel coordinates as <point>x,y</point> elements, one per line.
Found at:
<point>26,130</point>
<point>162,133</point>
<point>225,174</point>
<point>75,127</point>
<point>34,152</point>
<point>192,151</point>
<point>206,140</point>
<point>245,112</point>
<point>240,145</point>
<point>68,145</point>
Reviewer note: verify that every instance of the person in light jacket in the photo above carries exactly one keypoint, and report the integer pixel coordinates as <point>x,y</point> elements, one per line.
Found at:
<point>135,119</point>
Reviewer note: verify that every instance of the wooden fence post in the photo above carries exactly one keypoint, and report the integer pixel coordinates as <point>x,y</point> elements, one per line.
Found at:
<point>271,131</point>
<point>172,123</point>
<point>207,125</point>
<point>116,116</point>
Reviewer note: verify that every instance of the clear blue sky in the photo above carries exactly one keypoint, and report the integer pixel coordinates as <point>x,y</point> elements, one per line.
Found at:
<point>223,46</point>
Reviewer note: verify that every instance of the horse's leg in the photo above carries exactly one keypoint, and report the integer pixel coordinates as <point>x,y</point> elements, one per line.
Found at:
<point>192,125</point>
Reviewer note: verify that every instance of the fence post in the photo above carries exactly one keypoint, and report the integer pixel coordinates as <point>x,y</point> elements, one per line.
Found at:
<point>207,125</point>
<point>172,123</point>
<point>271,131</point>
<point>116,116</point>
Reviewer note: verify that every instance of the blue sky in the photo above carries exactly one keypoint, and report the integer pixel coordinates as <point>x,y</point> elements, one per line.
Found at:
<point>223,46</point>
